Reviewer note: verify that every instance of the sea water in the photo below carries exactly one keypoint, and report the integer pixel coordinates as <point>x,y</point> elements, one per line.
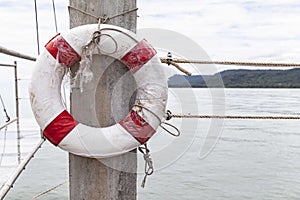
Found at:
<point>211,159</point>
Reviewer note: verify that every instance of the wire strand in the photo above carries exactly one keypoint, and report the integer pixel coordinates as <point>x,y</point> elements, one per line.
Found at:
<point>4,146</point>
<point>54,13</point>
<point>37,28</point>
<point>49,190</point>
<point>4,109</point>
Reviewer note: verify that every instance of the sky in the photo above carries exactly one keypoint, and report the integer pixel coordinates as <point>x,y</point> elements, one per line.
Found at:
<point>235,30</point>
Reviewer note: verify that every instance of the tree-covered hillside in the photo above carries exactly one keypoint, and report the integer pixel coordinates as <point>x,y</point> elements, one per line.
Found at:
<point>241,79</point>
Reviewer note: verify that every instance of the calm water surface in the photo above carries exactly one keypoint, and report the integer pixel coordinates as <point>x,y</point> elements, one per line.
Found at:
<point>252,159</point>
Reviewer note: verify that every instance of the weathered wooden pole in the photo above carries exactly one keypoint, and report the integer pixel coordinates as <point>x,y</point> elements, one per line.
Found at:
<point>113,178</point>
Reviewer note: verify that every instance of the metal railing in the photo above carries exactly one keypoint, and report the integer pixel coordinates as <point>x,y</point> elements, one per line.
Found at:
<point>8,123</point>
<point>16,54</point>
<point>25,57</point>
<point>9,183</point>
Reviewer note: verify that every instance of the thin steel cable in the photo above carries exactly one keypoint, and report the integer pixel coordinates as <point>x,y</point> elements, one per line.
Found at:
<point>4,109</point>
<point>8,123</point>
<point>64,97</point>
<point>4,146</point>
<point>49,190</point>
<point>37,28</point>
<point>54,13</point>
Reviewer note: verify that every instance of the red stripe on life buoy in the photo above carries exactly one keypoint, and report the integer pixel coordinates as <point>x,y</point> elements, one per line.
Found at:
<point>138,56</point>
<point>59,48</point>
<point>137,127</point>
<point>60,127</point>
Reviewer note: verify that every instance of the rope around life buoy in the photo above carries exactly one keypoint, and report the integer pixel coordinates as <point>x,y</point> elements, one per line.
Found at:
<point>103,19</point>
<point>161,122</point>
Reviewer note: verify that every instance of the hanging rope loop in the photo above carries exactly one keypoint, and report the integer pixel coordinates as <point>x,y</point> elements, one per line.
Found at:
<point>96,41</point>
<point>168,117</point>
<point>149,169</point>
<point>168,131</point>
<point>139,105</point>
<point>96,37</point>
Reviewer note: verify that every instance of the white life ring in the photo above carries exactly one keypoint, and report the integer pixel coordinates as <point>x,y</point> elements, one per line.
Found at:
<point>61,129</point>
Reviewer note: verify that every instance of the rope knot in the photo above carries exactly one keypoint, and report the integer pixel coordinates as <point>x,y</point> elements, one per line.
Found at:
<point>104,19</point>
<point>169,58</point>
<point>168,115</point>
<point>149,162</point>
<point>96,37</point>
<point>149,169</point>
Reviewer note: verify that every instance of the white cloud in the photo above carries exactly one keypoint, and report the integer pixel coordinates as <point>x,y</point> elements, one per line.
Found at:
<point>230,29</point>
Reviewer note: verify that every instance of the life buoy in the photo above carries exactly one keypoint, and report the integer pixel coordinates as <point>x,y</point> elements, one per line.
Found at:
<point>58,125</point>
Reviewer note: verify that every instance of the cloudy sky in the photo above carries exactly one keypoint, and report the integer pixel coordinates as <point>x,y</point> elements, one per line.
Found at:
<point>231,29</point>
<point>241,30</point>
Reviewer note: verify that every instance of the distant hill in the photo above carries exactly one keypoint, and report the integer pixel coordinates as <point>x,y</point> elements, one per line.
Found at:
<point>241,78</point>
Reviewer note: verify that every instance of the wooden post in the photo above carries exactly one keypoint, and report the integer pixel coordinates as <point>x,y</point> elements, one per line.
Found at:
<point>113,178</point>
